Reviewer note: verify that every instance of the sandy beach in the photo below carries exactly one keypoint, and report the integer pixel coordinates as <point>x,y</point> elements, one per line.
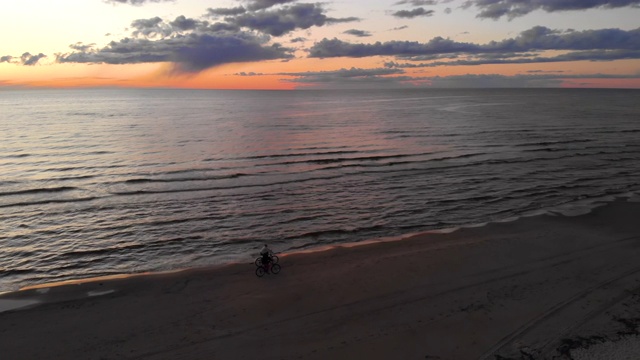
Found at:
<point>540,287</point>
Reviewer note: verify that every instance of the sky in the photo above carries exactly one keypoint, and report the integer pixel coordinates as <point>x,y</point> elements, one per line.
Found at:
<point>341,44</point>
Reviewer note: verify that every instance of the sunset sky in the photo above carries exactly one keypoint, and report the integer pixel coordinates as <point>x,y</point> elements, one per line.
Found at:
<point>342,44</point>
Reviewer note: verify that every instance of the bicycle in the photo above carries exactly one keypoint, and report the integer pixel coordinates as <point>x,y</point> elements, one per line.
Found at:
<point>262,269</point>
<point>274,260</point>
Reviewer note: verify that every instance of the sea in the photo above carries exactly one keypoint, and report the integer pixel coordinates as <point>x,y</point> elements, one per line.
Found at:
<point>97,182</point>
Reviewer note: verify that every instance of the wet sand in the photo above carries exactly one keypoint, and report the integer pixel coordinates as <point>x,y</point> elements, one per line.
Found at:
<point>537,288</point>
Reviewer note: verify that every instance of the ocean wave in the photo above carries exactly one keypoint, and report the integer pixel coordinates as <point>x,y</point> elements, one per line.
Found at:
<point>157,180</point>
<point>78,177</point>
<point>334,232</point>
<point>212,188</point>
<point>550,143</point>
<point>45,202</point>
<point>38,191</point>
<point>121,248</point>
<point>14,156</point>
<point>15,271</point>
<point>425,167</point>
<point>305,154</point>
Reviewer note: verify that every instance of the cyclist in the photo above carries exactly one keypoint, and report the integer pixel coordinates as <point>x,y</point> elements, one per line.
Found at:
<point>266,254</point>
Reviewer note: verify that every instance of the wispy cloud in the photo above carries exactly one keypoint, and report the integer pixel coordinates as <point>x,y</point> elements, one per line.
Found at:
<point>495,9</point>
<point>251,73</point>
<point>26,59</point>
<point>410,14</point>
<point>358,33</point>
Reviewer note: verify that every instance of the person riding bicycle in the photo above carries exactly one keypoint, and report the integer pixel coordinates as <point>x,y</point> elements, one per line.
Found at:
<point>266,254</point>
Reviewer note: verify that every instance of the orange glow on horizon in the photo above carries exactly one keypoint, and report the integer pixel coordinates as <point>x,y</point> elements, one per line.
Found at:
<point>275,75</point>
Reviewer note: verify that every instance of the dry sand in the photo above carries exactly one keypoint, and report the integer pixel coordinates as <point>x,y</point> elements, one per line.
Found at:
<point>537,288</point>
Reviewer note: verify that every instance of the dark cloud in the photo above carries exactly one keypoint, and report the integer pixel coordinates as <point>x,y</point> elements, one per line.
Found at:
<point>535,39</point>
<point>358,33</point>
<point>6,58</point>
<point>183,24</point>
<point>286,19</point>
<point>542,38</point>
<point>251,73</point>
<point>190,53</point>
<point>193,45</point>
<point>151,27</point>
<point>332,21</point>
<point>135,2</point>
<point>337,48</point>
<point>298,39</point>
<point>29,60</point>
<point>399,28</point>
<point>158,28</point>
<point>226,11</point>
<point>495,9</point>
<point>410,14</point>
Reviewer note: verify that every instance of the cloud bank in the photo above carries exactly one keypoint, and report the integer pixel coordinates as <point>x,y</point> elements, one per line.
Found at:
<point>194,45</point>
<point>250,31</point>
<point>278,22</point>
<point>608,43</point>
<point>495,9</point>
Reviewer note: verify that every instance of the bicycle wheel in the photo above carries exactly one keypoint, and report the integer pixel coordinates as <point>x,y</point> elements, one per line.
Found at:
<point>258,261</point>
<point>260,271</point>
<point>275,268</point>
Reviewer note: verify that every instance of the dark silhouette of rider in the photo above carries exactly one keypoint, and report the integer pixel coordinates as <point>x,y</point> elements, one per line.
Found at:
<point>266,256</point>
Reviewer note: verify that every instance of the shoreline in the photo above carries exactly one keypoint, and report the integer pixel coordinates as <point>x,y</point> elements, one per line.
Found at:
<point>544,286</point>
<point>569,209</point>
